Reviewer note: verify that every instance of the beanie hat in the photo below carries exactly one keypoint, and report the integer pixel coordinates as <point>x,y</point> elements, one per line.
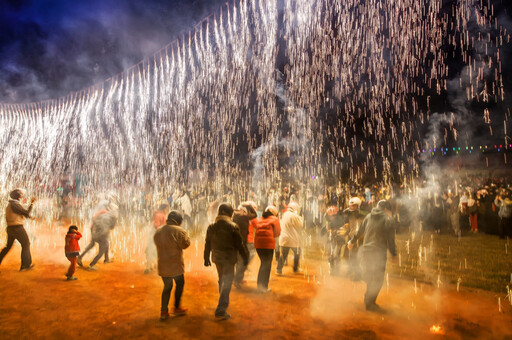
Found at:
<point>174,217</point>
<point>226,209</point>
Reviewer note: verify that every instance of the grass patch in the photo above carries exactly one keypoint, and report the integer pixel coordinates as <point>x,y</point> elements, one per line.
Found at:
<point>475,260</point>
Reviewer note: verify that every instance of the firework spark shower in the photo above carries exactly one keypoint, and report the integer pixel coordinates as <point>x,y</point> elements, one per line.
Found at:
<point>359,78</point>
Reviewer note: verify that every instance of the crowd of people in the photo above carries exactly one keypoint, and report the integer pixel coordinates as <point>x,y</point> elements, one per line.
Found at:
<point>358,224</point>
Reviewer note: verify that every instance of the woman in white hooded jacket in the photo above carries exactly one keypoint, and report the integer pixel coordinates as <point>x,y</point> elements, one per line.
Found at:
<point>291,229</point>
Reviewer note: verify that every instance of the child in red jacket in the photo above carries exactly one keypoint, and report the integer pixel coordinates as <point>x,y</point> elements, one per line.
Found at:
<point>72,250</point>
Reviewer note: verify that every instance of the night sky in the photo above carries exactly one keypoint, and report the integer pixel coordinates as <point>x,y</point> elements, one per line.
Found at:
<point>49,48</point>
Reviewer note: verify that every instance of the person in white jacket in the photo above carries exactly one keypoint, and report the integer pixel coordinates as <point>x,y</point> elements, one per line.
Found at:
<point>291,229</point>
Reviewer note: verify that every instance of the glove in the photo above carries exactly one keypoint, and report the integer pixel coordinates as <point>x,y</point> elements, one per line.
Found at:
<point>207,263</point>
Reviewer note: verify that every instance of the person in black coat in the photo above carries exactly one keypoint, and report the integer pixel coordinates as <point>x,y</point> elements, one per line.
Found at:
<point>242,217</point>
<point>223,242</point>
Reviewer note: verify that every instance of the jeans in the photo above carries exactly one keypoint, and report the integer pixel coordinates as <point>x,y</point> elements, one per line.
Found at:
<point>240,268</point>
<point>17,232</point>
<point>265,256</point>
<point>354,269</point>
<point>374,268</point>
<point>166,292</point>
<point>103,250</point>
<point>284,255</point>
<point>277,249</point>
<point>226,272</point>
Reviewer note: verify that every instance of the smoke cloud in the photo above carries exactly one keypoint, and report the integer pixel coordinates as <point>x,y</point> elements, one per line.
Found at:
<point>51,48</point>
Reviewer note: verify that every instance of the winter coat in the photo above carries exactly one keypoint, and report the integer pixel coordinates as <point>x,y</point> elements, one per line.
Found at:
<point>252,229</point>
<point>102,223</point>
<point>170,240</point>
<point>15,213</point>
<point>505,206</point>
<point>378,231</point>
<point>267,229</point>
<point>72,248</point>
<point>224,241</point>
<point>291,227</point>
<point>243,220</point>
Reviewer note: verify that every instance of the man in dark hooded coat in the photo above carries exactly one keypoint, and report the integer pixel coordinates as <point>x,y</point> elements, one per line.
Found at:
<point>379,237</point>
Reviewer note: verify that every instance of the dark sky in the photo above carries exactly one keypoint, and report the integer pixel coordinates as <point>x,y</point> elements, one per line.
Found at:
<point>49,48</point>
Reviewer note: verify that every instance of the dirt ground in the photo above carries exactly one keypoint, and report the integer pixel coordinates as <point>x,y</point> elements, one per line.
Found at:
<point>119,302</point>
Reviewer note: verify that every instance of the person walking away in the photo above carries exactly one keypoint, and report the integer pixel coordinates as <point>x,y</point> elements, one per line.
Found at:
<point>267,229</point>
<point>504,203</point>
<point>159,219</point>
<point>15,215</point>
<point>242,217</point>
<point>379,237</point>
<point>290,238</point>
<point>224,241</point>
<point>72,250</point>
<point>170,241</point>
<point>353,218</point>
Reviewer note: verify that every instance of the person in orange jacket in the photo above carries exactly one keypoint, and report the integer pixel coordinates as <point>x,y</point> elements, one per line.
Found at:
<point>72,250</point>
<point>267,229</point>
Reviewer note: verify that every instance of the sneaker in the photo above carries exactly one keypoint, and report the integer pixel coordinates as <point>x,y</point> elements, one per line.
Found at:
<point>237,285</point>
<point>279,272</point>
<point>180,311</point>
<point>164,316</point>
<point>72,278</point>
<point>92,268</point>
<point>147,271</point>
<point>27,268</point>
<point>264,290</point>
<point>224,316</point>
<point>108,261</point>
<point>79,262</point>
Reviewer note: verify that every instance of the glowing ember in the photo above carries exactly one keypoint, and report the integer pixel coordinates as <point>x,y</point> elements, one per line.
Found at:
<point>436,329</point>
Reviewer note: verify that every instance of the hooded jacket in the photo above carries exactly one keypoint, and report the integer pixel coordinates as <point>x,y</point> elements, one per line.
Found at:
<point>103,222</point>
<point>267,229</point>
<point>378,231</point>
<point>224,241</point>
<point>72,248</point>
<point>291,227</point>
<point>170,240</point>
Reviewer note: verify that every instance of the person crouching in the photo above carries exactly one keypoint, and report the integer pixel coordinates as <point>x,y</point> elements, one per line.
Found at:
<point>72,250</point>
<point>170,240</point>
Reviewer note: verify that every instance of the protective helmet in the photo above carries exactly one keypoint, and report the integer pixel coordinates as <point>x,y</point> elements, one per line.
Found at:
<point>355,201</point>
